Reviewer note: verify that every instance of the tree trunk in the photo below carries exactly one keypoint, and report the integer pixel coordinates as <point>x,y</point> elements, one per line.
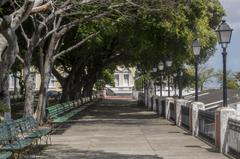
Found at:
<point>66,91</point>
<point>88,88</point>
<point>8,58</point>
<point>29,84</point>
<point>15,83</point>
<point>45,68</point>
<point>29,96</point>
<point>201,88</point>
<point>40,113</point>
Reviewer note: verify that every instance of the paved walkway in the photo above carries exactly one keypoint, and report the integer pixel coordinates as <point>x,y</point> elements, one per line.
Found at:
<point>117,129</point>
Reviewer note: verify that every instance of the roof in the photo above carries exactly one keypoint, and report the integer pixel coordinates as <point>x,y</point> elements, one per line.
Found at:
<point>214,98</point>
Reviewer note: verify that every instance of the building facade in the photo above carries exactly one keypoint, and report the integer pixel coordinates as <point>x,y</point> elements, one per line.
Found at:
<point>54,85</point>
<point>124,80</point>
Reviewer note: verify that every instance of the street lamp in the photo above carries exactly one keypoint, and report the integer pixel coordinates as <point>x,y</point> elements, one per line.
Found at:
<point>180,84</point>
<point>168,64</point>
<point>175,75</point>
<point>196,46</point>
<point>161,68</point>
<point>155,71</point>
<point>224,34</point>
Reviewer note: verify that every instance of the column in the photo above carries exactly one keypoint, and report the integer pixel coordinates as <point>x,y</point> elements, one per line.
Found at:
<point>196,106</point>
<point>167,109</point>
<point>222,116</point>
<point>179,104</point>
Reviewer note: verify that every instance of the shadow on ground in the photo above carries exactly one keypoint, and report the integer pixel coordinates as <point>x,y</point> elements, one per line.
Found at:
<point>64,152</point>
<point>120,112</point>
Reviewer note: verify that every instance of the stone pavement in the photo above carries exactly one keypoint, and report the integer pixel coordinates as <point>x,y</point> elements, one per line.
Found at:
<point>119,129</point>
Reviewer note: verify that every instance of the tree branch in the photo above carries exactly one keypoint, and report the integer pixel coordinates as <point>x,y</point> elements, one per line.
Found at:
<point>42,8</point>
<point>76,45</point>
<point>20,59</point>
<point>59,77</point>
<point>21,14</point>
<point>24,35</point>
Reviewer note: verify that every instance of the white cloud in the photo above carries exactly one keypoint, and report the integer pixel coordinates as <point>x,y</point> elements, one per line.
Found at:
<point>233,12</point>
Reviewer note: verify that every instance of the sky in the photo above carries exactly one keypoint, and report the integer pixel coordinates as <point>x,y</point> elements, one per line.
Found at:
<point>232,8</point>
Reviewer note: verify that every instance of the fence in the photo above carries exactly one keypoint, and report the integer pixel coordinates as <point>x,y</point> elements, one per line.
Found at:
<point>207,125</point>
<point>172,112</point>
<point>234,138</point>
<point>185,117</point>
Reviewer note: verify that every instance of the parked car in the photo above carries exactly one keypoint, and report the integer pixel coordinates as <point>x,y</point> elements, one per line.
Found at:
<point>53,94</point>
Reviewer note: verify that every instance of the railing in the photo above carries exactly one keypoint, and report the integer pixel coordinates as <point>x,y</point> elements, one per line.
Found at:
<point>207,125</point>
<point>234,138</point>
<point>185,116</point>
<point>172,112</point>
<point>163,105</point>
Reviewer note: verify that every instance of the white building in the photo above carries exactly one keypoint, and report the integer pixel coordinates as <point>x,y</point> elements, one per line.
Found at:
<point>124,81</point>
<point>53,83</point>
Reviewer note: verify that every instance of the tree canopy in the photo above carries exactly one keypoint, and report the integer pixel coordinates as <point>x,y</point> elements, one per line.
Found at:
<point>78,40</point>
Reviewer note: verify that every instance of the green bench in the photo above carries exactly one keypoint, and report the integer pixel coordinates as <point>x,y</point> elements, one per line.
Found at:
<point>62,112</point>
<point>18,135</point>
<point>12,140</point>
<point>30,129</point>
<point>5,154</point>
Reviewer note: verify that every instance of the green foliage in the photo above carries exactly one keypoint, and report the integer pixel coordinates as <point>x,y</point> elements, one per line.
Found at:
<point>237,76</point>
<point>107,78</point>
<point>158,30</point>
<point>232,81</point>
<point>138,84</point>
<point>3,107</point>
<point>232,84</point>
<point>204,75</point>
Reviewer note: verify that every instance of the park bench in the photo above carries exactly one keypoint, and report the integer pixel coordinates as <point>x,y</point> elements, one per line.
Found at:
<point>17,135</point>
<point>62,112</point>
<point>5,154</point>
<point>12,141</point>
<point>30,129</point>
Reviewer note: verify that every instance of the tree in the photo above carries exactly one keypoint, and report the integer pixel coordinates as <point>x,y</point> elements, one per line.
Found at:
<point>78,40</point>
<point>231,80</point>
<point>9,48</point>
<point>204,75</point>
<point>107,79</point>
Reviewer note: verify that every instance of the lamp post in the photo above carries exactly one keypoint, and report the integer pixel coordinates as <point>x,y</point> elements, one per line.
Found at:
<point>196,46</point>
<point>180,84</point>
<point>155,71</point>
<point>168,64</point>
<point>175,83</point>
<point>224,34</point>
<point>161,68</point>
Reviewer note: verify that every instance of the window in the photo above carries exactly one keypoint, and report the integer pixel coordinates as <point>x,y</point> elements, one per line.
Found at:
<point>116,80</point>
<point>126,80</point>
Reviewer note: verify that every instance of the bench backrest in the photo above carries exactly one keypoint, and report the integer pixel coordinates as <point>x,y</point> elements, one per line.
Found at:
<point>5,134</point>
<point>9,131</point>
<point>59,109</point>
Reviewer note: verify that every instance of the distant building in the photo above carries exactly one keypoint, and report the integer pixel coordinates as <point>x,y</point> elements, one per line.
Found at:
<point>124,81</point>
<point>54,85</point>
